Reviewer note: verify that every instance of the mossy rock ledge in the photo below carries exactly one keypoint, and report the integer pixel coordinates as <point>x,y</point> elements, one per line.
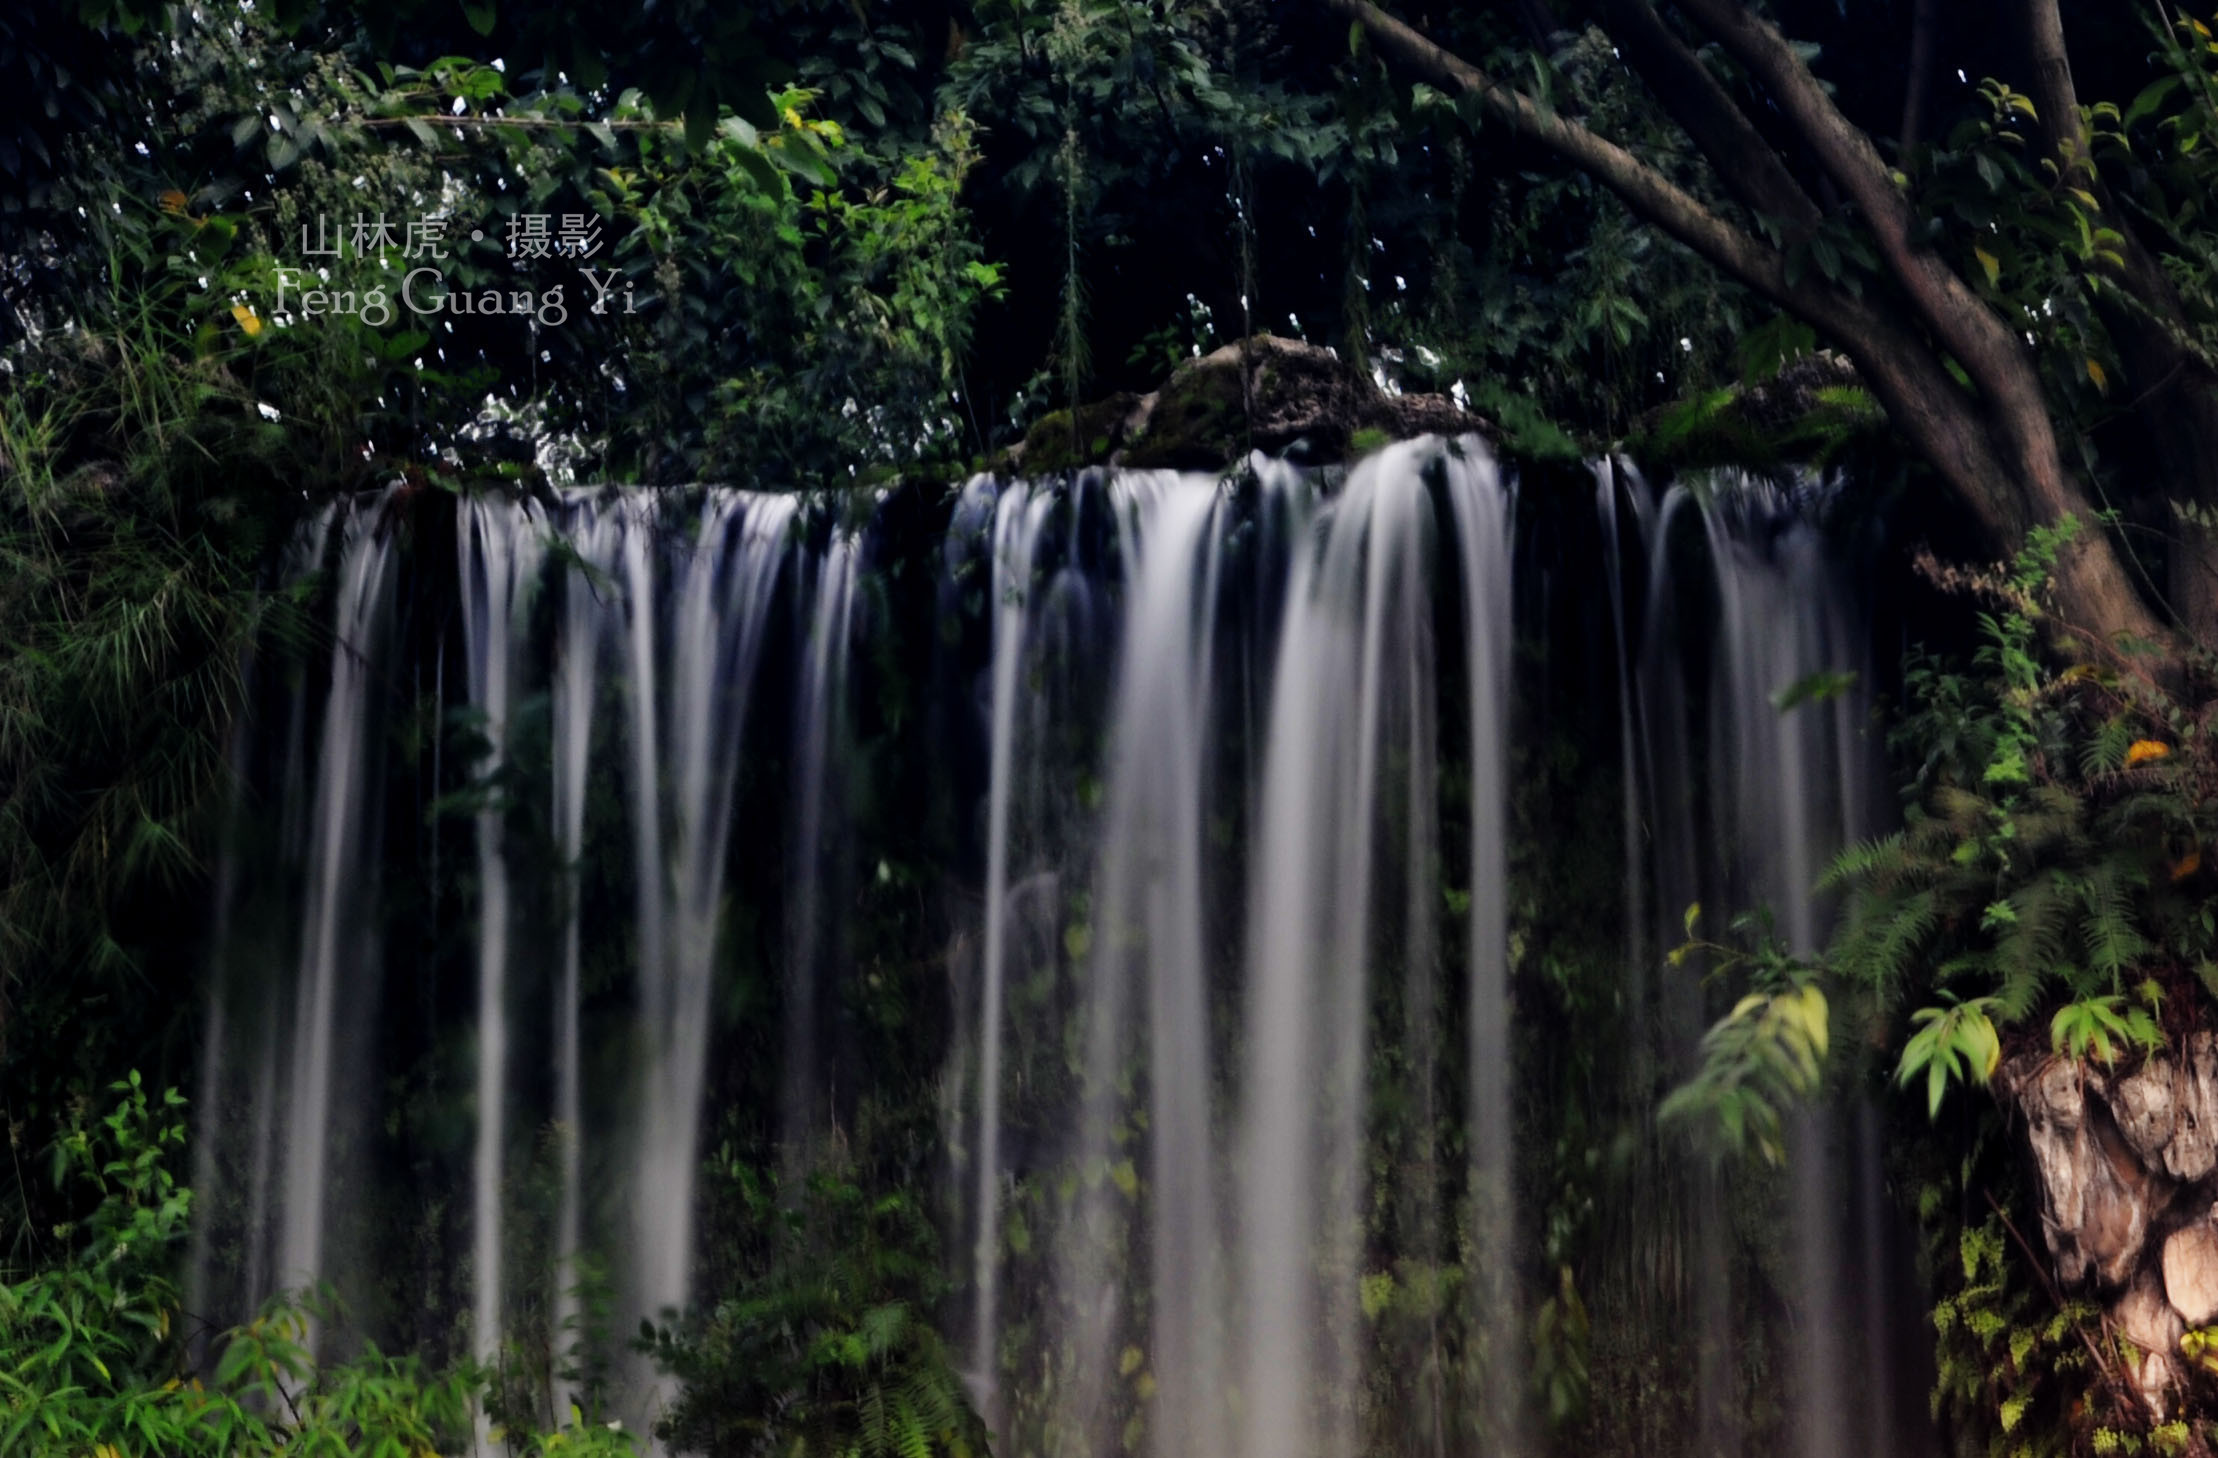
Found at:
<point>1275,395</point>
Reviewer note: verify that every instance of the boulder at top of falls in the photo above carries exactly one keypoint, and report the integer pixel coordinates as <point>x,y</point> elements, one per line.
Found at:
<point>1276,395</point>
<point>2191,1272</point>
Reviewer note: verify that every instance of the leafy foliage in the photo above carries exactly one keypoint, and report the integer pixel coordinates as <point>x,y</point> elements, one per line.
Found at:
<point>1761,1058</point>
<point>93,1347</point>
<point>2051,858</point>
<point>2009,1359</point>
<point>827,1350</point>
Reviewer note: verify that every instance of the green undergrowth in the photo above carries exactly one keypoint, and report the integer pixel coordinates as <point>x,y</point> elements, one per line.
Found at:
<point>96,1352</point>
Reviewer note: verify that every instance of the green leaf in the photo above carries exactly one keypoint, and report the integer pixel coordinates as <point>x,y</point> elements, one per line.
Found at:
<point>2152,96</point>
<point>758,168</point>
<point>1816,688</point>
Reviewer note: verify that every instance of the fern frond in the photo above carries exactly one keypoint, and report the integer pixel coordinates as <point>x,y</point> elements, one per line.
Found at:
<point>2113,941</point>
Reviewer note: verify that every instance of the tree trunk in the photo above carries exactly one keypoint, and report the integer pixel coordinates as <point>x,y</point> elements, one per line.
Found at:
<point>2169,388</point>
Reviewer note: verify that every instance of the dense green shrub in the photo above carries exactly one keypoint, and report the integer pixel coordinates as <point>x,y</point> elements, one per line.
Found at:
<point>827,1349</point>
<point>93,1344</point>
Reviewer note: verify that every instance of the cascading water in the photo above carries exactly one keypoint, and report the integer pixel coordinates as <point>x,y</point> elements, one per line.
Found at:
<point>1747,769</point>
<point>820,741</point>
<point>280,1161</point>
<point>1042,610</point>
<point>1149,911</point>
<point>687,746</point>
<point>332,952</point>
<point>580,637</point>
<point>687,607</point>
<point>501,550</point>
<point>1232,1110</point>
<point>1248,1076</point>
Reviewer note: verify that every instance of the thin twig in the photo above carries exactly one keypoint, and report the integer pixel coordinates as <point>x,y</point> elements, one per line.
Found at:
<point>2117,1382</point>
<point>543,123</point>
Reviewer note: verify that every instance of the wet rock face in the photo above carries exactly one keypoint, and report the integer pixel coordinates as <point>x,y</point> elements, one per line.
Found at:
<point>2127,1165</point>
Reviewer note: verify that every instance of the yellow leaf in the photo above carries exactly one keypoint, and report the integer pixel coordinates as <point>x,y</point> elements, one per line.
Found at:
<point>248,319</point>
<point>2188,864</point>
<point>2146,749</point>
<point>2095,373</point>
<point>1988,262</point>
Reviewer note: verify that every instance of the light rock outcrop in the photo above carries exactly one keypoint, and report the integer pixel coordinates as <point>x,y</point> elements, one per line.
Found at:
<point>2127,1169</point>
<point>2145,1318</point>
<point>2191,1271</point>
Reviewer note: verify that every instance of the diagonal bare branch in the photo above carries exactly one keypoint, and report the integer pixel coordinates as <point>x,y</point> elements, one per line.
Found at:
<point>1648,192</point>
<point>1743,161</point>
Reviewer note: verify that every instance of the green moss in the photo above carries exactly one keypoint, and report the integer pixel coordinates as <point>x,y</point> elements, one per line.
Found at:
<point>1063,440</point>
<point>1199,421</point>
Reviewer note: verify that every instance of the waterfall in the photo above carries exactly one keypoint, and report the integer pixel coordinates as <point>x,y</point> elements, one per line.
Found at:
<point>1746,797</point>
<point>681,609</point>
<point>1210,1242</point>
<point>500,556</point>
<point>1310,927</point>
<point>1148,938</point>
<point>820,746</point>
<point>1353,703</point>
<point>1216,776</point>
<point>723,587</point>
<point>579,639</point>
<point>275,1110</point>
<point>338,915</point>
<point>1019,517</point>
<point>1162,720</point>
<point>1481,509</point>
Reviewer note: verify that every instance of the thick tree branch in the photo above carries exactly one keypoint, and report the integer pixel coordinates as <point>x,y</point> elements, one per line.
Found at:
<point>2179,389</point>
<point>2091,581</point>
<point>2065,127</point>
<point>1924,20</point>
<point>1965,326</point>
<point>1917,392</point>
<point>2053,92</point>
<point>1646,191</point>
<point>2001,458</point>
<point>1742,159</point>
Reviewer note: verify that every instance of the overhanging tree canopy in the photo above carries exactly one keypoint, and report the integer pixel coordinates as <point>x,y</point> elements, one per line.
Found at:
<point>1871,254</point>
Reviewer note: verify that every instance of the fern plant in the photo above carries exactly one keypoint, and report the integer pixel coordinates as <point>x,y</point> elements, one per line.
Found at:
<point>2050,862</point>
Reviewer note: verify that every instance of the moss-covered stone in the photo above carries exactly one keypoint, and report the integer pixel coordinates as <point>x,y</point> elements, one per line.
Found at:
<point>1274,395</point>
<point>1811,413</point>
<point>1062,440</point>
